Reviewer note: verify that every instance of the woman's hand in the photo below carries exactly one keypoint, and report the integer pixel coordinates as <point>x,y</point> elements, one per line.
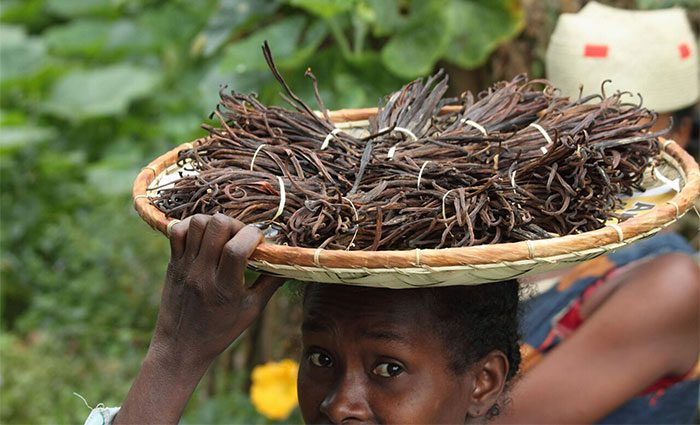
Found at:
<point>205,306</point>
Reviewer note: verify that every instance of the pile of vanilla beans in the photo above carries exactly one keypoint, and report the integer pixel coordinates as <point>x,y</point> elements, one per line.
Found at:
<point>516,162</point>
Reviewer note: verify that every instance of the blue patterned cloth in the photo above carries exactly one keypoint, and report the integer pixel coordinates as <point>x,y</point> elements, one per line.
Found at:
<point>547,318</point>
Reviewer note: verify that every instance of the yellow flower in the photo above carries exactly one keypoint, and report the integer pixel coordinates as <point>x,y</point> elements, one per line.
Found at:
<point>274,389</point>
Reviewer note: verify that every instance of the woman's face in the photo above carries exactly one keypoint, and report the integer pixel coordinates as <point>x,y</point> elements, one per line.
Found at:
<point>372,355</point>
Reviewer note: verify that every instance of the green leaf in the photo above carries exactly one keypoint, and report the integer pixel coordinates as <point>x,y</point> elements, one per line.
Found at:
<point>11,35</point>
<point>99,38</point>
<point>29,13</point>
<point>10,118</point>
<point>413,51</point>
<point>100,91</point>
<point>323,8</point>
<point>76,8</point>
<point>173,23</point>
<point>479,26</point>
<point>350,91</point>
<point>663,4</point>
<point>110,180</point>
<point>82,36</point>
<point>324,64</point>
<point>184,127</point>
<point>246,54</point>
<point>376,79</point>
<point>386,17</point>
<point>126,35</point>
<point>230,16</point>
<point>17,137</point>
<point>241,82</point>
<point>307,46</point>
<point>20,56</point>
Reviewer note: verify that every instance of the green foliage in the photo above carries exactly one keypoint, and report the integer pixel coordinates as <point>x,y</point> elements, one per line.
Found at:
<point>21,55</point>
<point>81,95</point>
<point>323,8</point>
<point>93,90</point>
<point>479,27</point>
<point>37,384</point>
<point>105,91</point>
<point>231,16</point>
<point>663,4</point>
<point>415,48</point>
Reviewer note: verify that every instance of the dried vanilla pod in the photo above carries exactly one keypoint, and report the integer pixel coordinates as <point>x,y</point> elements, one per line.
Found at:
<point>517,162</point>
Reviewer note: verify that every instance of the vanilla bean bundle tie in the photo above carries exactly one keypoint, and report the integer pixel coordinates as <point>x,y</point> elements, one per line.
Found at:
<point>283,199</point>
<point>545,135</point>
<point>403,130</point>
<point>420,174</point>
<point>255,155</point>
<point>475,125</point>
<point>328,138</point>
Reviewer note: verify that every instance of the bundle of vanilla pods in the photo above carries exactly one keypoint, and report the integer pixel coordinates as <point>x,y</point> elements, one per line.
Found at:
<point>517,162</point>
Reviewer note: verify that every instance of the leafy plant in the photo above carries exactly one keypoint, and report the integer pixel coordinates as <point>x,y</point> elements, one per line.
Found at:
<point>92,90</point>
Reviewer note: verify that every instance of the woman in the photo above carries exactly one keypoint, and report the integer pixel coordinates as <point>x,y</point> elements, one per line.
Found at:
<point>369,355</point>
<point>617,339</point>
<point>432,355</point>
<point>614,341</point>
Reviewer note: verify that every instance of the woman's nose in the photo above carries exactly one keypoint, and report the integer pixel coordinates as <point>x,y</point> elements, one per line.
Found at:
<point>347,401</point>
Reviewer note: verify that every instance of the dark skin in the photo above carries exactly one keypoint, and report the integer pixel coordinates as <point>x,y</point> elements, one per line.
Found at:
<point>367,358</point>
<point>640,326</point>
<point>643,327</point>
<point>372,356</point>
<point>206,305</point>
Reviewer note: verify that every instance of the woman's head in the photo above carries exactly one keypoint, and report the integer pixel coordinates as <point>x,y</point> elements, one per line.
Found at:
<point>438,355</point>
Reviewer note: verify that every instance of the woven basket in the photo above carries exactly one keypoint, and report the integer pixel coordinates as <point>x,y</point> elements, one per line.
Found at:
<point>447,266</point>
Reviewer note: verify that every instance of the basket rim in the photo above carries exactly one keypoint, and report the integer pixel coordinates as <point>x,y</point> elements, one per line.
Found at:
<point>612,236</point>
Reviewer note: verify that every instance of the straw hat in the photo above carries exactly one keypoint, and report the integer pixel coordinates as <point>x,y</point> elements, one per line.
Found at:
<point>649,52</point>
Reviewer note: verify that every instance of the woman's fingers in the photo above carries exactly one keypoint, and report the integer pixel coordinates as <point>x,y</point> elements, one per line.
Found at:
<point>219,230</point>
<point>178,237</point>
<point>195,232</point>
<point>234,257</point>
<point>223,244</point>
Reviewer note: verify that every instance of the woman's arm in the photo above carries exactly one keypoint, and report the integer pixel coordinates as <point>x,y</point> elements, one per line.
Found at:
<point>648,328</point>
<point>205,306</point>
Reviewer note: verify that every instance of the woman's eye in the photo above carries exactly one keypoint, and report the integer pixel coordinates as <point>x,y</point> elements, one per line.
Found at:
<point>387,370</point>
<point>320,360</point>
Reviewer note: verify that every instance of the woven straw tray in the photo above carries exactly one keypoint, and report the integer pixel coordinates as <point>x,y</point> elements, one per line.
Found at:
<point>650,211</point>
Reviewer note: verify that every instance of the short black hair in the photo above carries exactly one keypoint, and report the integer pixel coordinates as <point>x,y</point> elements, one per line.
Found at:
<point>477,319</point>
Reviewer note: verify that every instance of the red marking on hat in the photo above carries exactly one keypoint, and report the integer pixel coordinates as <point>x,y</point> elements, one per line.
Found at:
<point>684,50</point>
<point>595,51</point>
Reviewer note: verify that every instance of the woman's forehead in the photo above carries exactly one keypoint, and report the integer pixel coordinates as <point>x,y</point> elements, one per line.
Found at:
<point>343,302</point>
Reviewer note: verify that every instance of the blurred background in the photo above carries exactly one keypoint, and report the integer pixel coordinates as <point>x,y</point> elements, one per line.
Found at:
<point>91,91</point>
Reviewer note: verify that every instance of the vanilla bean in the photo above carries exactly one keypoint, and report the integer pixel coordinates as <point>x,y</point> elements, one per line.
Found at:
<point>515,162</point>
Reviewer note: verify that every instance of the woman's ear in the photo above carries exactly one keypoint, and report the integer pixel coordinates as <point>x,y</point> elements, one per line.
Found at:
<point>488,379</point>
